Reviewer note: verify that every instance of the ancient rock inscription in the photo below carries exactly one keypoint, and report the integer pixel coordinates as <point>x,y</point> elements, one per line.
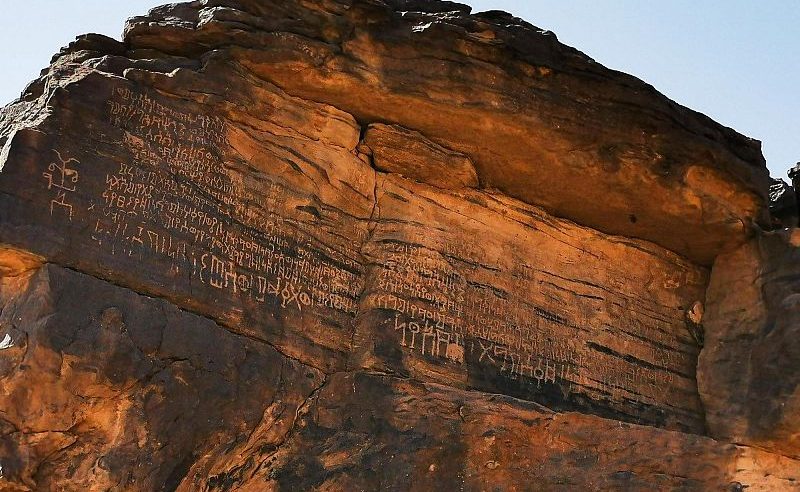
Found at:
<point>439,314</point>
<point>62,180</point>
<point>535,318</point>
<point>163,203</point>
<point>505,303</point>
<point>181,201</point>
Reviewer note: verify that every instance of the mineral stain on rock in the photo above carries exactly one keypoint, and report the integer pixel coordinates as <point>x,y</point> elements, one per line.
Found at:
<point>371,245</point>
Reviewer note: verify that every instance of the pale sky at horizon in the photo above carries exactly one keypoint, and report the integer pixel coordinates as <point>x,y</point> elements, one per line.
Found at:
<point>737,61</point>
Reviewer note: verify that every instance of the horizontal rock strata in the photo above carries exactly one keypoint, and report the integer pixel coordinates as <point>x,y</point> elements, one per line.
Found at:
<point>286,235</point>
<point>541,121</point>
<point>432,438</point>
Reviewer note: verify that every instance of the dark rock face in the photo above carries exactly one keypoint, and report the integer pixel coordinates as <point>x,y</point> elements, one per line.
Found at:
<point>782,204</point>
<point>104,389</point>
<point>298,245</point>
<point>402,435</point>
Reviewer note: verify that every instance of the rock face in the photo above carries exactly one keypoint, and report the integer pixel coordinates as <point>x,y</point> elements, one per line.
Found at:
<point>394,149</point>
<point>748,372</point>
<point>531,113</point>
<point>149,390</point>
<point>782,204</point>
<point>367,245</point>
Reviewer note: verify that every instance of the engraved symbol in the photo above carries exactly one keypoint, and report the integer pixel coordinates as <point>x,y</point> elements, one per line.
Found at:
<point>485,351</point>
<point>290,294</point>
<point>7,342</point>
<point>62,180</point>
<point>455,353</point>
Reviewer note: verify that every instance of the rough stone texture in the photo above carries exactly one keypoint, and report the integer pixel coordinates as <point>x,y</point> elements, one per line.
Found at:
<point>276,227</point>
<point>748,371</point>
<point>227,217</point>
<point>782,204</point>
<point>104,389</point>
<point>395,149</point>
<point>531,113</point>
<point>372,432</point>
<point>538,308</point>
<point>298,245</point>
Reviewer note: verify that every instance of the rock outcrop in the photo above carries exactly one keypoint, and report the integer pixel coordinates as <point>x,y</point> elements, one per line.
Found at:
<point>371,244</point>
<point>748,372</point>
<point>782,204</point>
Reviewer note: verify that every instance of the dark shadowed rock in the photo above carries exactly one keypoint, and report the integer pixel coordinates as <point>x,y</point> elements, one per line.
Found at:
<point>782,204</point>
<point>372,432</point>
<point>106,389</point>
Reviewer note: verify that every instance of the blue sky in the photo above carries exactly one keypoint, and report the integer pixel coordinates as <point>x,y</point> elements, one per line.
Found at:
<point>738,61</point>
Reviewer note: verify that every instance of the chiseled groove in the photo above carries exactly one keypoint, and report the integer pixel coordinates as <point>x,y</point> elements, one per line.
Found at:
<point>650,341</point>
<point>642,303</point>
<point>633,360</point>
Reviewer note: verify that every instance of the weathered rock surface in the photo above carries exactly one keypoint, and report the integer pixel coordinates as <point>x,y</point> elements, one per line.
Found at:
<point>538,308</point>
<point>394,149</point>
<point>298,245</point>
<point>782,204</point>
<point>104,389</point>
<point>374,432</point>
<point>749,371</point>
<point>531,113</point>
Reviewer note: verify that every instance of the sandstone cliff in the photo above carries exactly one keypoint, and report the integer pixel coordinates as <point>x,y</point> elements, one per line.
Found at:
<point>382,245</point>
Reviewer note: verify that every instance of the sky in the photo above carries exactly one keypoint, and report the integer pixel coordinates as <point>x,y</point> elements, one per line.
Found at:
<point>738,61</point>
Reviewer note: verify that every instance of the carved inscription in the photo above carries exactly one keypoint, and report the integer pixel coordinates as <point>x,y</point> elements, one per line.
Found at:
<point>216,229</point>
<point>538,330</point>
<point>440,314</point>
<point>181,197</point>
<point>62,180</point>
<point>179,200</point>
